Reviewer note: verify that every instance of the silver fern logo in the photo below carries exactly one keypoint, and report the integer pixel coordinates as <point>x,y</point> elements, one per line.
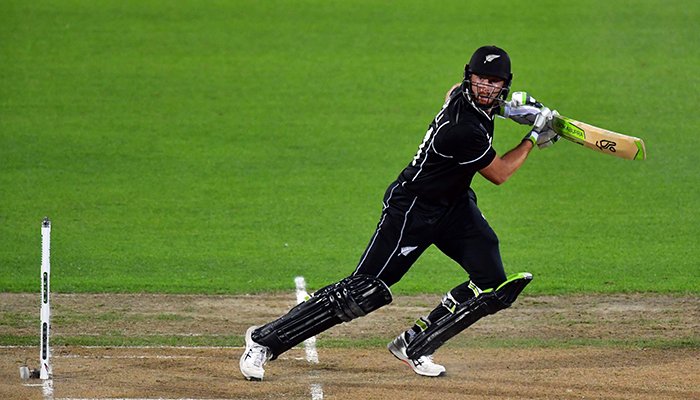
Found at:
<point>491,57</point>
<point>407,250</point>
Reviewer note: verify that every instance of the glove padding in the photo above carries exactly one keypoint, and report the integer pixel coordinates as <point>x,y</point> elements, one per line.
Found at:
<point>542,135</point>
<point>548,136</point>
<point>522,108</point>
<point>524,99</point>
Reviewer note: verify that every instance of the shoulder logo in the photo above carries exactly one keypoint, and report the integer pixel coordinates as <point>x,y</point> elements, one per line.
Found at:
<point>491,57</point>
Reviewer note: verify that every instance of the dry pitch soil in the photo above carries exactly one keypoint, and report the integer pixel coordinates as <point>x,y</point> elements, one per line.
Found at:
<point>546,347</point>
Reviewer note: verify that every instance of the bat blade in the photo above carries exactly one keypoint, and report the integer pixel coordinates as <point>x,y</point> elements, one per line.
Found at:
<point>599,139</point>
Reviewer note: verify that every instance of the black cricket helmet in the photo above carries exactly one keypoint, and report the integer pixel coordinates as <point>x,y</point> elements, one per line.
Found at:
<point>490,61</point>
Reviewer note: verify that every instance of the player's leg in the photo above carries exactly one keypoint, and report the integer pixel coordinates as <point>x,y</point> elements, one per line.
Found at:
<point>468,239</point>
<point>400,238</point>
<point>451,317</point>
<point>383,263</point>
<point>403,233</point>
<point>343,301</point>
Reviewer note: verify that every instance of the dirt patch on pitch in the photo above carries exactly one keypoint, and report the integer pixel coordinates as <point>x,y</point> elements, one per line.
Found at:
<point>544,347</point>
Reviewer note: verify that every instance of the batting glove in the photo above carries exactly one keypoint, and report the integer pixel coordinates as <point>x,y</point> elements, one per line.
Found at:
<point>538,128</point>
<point>522,108</point>
<point>524,99</point>
<point>548,136</point>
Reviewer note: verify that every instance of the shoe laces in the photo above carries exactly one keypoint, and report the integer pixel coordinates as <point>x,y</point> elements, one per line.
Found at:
<point>428,359</point>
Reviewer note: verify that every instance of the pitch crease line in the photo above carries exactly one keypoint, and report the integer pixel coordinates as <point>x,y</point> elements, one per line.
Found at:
<point>130,398</point>
<point>135,357</point>
<point>133,347</point>
<point>309,344</point>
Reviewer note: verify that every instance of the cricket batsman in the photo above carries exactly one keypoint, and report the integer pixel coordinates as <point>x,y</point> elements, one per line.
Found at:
<point>430,203</point>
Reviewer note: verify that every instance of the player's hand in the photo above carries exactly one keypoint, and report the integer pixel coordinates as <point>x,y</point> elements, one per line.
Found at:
<point>522,108</point>
<point>524,99</point>
<point>545,115</point>
<point>541,133</point>
<point>548,136</point>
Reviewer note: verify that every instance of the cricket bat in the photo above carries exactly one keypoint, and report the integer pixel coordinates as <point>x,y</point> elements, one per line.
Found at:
<point>599,139</point>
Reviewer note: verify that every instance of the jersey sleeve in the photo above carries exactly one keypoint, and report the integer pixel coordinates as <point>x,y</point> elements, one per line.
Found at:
<point>467,144</point>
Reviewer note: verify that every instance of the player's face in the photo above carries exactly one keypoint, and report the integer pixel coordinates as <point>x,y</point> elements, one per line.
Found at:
<point>486,88</point>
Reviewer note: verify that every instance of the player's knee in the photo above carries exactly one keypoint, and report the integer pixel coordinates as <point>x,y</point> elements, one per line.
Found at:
<point>485,280</point>
<point>497,279</point>
<point>464,291</point>
<point>509,290</point>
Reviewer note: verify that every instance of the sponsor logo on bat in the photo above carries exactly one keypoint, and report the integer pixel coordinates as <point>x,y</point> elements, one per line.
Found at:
<point>606,145</point>
<point>567,128</point>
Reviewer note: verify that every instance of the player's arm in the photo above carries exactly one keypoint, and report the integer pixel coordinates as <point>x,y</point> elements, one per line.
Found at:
<point>502,168</point>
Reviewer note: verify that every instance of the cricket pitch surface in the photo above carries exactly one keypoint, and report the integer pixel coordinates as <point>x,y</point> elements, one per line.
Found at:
<point>544,347</point>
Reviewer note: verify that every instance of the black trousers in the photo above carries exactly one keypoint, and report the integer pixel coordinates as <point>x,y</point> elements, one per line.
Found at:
<point>409,225</point>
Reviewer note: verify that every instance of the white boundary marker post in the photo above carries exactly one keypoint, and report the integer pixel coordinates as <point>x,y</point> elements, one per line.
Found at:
<point>44,348</point>
<point>309,344</point>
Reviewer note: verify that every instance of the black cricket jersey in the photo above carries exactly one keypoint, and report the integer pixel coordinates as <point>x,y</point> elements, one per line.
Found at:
<point>457,145</point>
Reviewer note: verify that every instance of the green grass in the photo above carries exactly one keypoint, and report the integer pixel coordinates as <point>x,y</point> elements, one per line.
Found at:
<point>118,340</point>
<point>225,147</point>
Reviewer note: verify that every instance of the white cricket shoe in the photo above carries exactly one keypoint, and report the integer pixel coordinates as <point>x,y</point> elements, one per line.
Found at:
<point>423,365</point>
<point>254,358</point>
